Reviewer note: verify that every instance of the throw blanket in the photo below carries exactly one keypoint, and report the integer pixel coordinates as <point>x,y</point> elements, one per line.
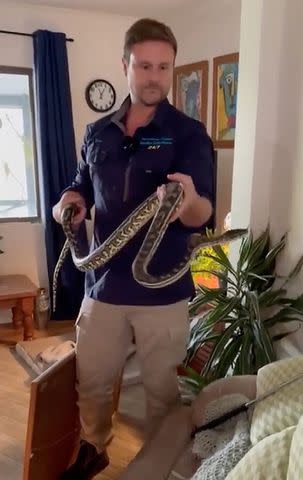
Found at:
<point>221,448</point>
<point>273,449</point>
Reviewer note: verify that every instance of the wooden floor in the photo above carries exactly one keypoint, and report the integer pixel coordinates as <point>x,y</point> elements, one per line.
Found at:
<point>14,402</point>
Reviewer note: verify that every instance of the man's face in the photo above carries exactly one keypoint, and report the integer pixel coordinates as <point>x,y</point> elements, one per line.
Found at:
<point>149,71</point>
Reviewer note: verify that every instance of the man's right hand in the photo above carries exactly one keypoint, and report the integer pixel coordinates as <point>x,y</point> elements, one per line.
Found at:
<point>71,197</point>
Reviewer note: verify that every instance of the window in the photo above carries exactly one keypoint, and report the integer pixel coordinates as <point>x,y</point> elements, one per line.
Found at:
<point>18,175</point>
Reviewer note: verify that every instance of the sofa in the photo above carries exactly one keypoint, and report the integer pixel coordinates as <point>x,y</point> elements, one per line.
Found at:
<point>168,450</point>
<point>276,430</point>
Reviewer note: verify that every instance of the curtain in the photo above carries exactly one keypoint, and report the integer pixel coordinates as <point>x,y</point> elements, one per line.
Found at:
<point>58,160</point>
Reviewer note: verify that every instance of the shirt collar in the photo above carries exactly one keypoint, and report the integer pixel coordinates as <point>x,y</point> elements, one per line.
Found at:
<point>158,118</point>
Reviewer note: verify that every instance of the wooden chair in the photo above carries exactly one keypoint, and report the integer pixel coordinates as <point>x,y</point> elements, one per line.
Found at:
<point>53,429</point>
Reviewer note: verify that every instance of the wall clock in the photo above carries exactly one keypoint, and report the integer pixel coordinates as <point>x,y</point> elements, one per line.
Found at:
<point>100,95</point>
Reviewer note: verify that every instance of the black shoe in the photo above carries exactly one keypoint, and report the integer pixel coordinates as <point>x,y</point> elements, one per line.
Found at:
<point>88,463</point>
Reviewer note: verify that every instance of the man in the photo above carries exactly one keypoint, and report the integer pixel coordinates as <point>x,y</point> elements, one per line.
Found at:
<point>127,156</point>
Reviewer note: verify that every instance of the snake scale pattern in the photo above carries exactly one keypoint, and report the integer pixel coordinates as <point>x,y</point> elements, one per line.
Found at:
<point>151,208</point>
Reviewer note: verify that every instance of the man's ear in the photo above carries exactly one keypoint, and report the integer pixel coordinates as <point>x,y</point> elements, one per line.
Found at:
<point>125,65</point>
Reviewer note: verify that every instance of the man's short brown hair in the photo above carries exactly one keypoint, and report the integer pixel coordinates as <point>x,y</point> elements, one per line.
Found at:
<point>145,30</point>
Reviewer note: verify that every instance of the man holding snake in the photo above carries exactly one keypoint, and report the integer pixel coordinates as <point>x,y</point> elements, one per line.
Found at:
<point>126,156</point>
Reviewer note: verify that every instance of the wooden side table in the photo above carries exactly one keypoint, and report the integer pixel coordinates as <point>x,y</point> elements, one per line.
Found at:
<point>18,293</point>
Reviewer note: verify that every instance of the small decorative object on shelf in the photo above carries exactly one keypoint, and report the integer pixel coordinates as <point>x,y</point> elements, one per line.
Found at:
<point>42,308</point>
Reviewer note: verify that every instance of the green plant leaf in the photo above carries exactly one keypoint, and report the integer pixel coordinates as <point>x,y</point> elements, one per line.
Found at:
<point>219,314</point>
<point>264,264</point>
<point>228,357</point>
<point>221,343</point>
<point>253,305</point>
<point>263,278</point>
<point>201,325</point>
<point>244,363</point>
<point>245,250</point>
<point>204,297</point>
<point>226,266</point>
<point>193,375</point>
<point>274,252</point>
<point>224,260</point>
<point>264,341</point>
<point>202,332</point>
<point>260,358</point>
<point>259,250</point>
<point>202,337</point>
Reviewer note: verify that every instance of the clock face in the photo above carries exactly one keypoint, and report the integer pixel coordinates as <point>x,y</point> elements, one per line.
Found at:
<point>100,95</point>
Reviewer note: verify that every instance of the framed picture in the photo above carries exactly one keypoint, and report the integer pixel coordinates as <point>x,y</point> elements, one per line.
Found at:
<point>225,93</point>
<point>190,86</point>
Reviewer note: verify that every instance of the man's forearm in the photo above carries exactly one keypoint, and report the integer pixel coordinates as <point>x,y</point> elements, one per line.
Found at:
<point>198,213</point>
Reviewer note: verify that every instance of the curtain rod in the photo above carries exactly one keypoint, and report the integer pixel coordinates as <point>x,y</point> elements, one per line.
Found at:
<point>27,34</point>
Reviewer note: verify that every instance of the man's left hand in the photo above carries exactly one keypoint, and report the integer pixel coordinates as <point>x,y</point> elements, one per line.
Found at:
<point>190,194</point>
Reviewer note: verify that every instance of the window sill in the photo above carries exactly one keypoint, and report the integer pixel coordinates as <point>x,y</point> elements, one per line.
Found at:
<point>21,220</point>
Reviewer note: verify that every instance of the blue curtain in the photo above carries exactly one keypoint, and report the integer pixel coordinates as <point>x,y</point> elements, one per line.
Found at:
<point>58,160</point>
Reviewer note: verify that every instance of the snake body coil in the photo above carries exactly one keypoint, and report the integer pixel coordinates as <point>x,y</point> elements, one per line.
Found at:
<point>151,208</point>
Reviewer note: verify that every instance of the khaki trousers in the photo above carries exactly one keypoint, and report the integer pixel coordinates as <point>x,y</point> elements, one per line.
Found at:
<point>104,334</point>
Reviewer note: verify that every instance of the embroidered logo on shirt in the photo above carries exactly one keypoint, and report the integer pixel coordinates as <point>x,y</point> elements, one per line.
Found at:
<point>154,143</point>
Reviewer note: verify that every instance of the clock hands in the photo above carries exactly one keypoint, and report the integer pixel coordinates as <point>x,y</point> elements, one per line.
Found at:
<point>101,93</point>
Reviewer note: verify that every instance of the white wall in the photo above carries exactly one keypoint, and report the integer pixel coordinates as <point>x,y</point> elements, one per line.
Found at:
<point>268,164</point>
<point>207,31</point>
<point>96,52</point>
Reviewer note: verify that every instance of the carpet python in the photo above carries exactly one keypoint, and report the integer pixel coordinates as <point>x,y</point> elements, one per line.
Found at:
<point>160,213</point>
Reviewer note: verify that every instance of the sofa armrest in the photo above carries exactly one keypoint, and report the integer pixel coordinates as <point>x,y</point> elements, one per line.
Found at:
<point>244,384</point>
<point>159,455</point>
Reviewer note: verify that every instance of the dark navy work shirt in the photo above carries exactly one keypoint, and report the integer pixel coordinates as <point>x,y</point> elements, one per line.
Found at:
<point>117,173</point>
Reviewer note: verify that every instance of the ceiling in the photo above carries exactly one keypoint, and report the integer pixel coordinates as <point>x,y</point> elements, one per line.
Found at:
<point>136,8</point>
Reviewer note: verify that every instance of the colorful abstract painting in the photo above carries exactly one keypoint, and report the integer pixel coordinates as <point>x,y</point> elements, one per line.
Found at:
<point>225,92</point>
<point>190,90</point>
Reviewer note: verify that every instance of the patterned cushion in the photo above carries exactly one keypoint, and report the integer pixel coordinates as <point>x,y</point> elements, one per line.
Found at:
<point>285,407</point>
<point>295,468</point>
<point>268,460</point>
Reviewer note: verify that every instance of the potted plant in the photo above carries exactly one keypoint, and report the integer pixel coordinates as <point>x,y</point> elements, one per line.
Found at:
<point>239,324</point>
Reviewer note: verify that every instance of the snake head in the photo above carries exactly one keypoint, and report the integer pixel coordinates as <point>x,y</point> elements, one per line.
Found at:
<point>68,213</point>
<point>234,234</point>
<point>197,240</point>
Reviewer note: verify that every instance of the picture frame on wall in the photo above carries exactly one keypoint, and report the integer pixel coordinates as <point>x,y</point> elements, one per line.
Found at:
<point>190,89</point>
<point>225,94</point>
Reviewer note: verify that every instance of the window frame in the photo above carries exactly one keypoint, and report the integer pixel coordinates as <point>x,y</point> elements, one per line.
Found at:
<point>29,73</point>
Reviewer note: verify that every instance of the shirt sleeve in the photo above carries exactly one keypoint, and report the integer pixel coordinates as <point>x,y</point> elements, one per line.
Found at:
<point>82,182</point>
<point>196,158</point>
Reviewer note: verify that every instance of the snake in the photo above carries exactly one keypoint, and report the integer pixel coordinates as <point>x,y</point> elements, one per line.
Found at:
<point>159,212</point>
